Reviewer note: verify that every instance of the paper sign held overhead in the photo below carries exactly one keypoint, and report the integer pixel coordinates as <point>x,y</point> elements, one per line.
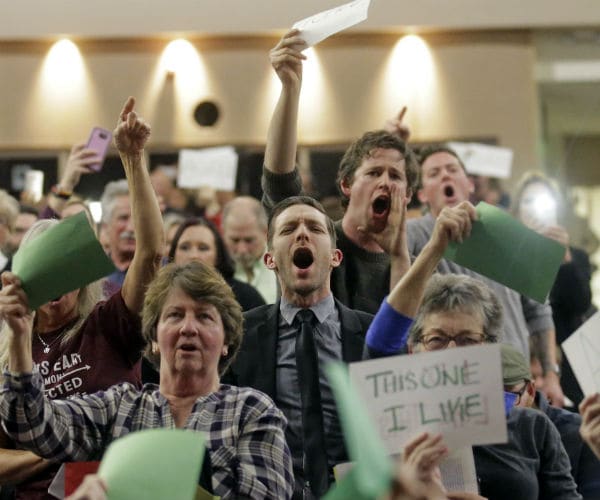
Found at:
<point>62,259</point>
<point>505,250</point>
<point>484,159</point>
<point>582,348</point>
<point>456,392</point>
<point>315,29</point>
<point>213,167</point>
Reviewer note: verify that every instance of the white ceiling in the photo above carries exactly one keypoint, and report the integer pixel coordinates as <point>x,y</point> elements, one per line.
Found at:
<point>42,19</point>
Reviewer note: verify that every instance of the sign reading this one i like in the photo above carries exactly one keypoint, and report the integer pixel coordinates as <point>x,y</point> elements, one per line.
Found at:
<point>456,392</point>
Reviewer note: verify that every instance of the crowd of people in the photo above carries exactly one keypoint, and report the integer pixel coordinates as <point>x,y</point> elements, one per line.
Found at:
<point>223,321</point>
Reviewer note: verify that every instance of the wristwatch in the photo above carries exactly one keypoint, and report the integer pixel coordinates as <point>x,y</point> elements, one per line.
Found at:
<point>61,193</point>
<point>554,368</point>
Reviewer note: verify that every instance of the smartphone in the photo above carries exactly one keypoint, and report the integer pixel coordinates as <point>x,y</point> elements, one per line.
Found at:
<point>99,141</point>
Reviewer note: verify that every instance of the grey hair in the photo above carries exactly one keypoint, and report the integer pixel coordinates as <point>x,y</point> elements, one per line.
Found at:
<point>172,219</point>
<point>9,209</point>
<point>255,206</point>
<point>458,292</point>
<point>111,192</point>
<point>89,296</point>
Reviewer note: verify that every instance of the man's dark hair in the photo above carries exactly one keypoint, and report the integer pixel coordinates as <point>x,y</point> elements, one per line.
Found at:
<point>431,149</point>
<point>298,200</point>
<point>362,148</point>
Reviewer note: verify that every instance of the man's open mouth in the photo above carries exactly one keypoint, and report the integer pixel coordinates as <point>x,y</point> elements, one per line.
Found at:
<point>303,258</point>
<point>449,191</point>
<point>381,205</point>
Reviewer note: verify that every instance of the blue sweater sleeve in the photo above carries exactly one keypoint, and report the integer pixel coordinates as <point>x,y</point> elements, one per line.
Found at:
<point>388,333</point>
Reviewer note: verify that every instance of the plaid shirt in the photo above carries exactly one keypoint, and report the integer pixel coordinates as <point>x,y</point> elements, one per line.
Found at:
<point>244,430</point>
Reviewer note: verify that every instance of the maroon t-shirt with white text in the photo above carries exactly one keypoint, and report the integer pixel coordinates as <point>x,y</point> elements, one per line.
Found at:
<point>106,351</point>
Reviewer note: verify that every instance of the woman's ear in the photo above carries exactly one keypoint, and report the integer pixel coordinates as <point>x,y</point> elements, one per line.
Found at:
<point>269,261</point>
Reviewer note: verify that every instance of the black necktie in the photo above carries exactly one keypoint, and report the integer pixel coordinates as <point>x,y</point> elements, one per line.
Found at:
<point>315,458</point>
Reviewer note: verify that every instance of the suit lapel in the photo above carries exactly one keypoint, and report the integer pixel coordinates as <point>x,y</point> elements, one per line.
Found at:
<point>260,356</point>
<point>353,334</point>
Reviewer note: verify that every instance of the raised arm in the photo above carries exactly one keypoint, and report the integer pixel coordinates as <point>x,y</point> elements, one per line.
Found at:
<point>17,465</point>
<point>388,332</point>
<point>131,135</point>
<point>77,165</point>
<point>453,224</point>
<point>282,137</point>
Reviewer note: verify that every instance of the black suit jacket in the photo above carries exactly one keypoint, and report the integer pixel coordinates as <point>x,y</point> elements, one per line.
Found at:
<point>257,358</point>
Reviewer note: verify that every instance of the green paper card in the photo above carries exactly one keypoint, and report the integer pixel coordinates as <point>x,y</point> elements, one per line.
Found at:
<point>503,249</point>
<point>154,464</point>
<point>372,472</point>
<point>62,259</point>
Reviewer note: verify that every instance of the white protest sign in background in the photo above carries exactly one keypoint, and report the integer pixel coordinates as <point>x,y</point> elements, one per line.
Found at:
<point>456,392</point>
<point>214,167</point>
<point>582,349</point>
<point>315,29</point>
<point>483,159</point>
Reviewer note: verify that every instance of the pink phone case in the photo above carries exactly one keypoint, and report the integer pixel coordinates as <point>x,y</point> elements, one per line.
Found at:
<point>99,141</point>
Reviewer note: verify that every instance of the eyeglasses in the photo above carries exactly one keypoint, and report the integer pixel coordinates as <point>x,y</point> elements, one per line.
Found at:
<point>437,341</point>
<point>520,392</point>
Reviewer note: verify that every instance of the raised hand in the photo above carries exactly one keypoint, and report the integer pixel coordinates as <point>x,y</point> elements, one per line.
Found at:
<point>286,58</point>
<point>590,422</point>
<point>560,235</point>
<point>392,238</point>
<point>131,132</point>
<point>453,224</point>
<point>396,126</point>
<point>78,164</point>
<point>14,306</point>
<point>424,454</point>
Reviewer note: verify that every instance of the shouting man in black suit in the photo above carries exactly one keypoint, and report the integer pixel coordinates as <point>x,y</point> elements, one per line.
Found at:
<point>286,345</point>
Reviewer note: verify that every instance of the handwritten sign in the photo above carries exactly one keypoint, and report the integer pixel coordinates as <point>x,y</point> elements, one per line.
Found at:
<point>582,349</point>
<point>214,167</point>
<point>484,159</point>
<point>456,392</point>
<point>317,28</point>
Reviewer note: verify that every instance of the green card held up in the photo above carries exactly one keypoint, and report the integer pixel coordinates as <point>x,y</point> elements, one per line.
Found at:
<point>153,464</point>
<point>62,259</point>
<point>503,249</point>
<point>372,472</point>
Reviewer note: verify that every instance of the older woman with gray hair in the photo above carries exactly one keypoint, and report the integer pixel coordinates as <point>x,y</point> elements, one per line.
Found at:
<point>458,311</point>
<point>192,315</point>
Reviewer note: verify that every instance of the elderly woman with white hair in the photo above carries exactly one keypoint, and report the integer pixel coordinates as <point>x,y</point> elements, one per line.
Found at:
<point>446,311</point>
<point>78,343</point>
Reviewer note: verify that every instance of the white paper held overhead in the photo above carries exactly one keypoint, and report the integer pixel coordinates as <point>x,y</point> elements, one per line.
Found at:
<point>315,29</point>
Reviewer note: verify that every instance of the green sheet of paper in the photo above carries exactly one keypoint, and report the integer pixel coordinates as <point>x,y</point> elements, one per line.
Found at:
<point>372,473</point>
<point>60,260</point>
<point>503,249</point>
<point>154,465</point>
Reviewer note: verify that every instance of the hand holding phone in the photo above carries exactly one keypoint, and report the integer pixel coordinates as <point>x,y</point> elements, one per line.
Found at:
<point>99,142</point>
